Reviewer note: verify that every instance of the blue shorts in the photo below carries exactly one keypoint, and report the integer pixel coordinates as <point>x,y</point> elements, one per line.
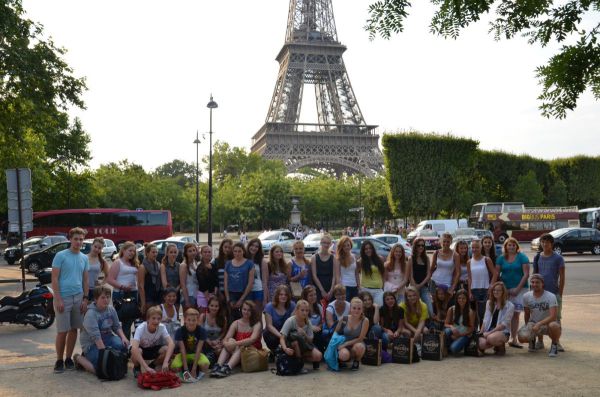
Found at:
<point>256,296</point>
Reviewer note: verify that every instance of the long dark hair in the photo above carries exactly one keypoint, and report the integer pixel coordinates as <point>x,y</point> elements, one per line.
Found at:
<point>165,259</point>
<point>222,258</point>
<point>390,315</point>
<point>221,319</point>
<point>415,255</point>
<point>260,254</point>
<point>103,264</point>
<point>186,247</point>
<point>315,306</point>
<point>374,259</point>
<point>466,310</point>
<point>492,254</point>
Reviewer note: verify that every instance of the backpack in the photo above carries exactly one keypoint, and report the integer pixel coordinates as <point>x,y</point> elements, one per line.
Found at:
<point>287,365</point>
<point>112,364</point>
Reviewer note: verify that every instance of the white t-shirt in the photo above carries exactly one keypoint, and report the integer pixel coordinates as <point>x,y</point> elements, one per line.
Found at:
<point>149,339</point>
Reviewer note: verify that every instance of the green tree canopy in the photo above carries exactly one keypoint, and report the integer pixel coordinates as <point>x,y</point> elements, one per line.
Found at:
<point>568,73</point>
<point>528,190</point>
<point>183,172</point>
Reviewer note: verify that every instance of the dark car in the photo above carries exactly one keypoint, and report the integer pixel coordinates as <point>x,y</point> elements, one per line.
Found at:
<point>32,244</point>
<point>162,246</point>
<point>42,259</point>
<point>572,239</point>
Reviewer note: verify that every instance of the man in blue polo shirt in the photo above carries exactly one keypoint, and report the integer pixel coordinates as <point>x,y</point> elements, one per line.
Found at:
<point>69,280</point>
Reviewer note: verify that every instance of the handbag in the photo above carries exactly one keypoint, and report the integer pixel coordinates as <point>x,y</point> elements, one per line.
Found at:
<point>372,352</point>
<point>254,360</point>
<point>472,348</point>
<point>404,351</point>
<point>296,289</point>
<point>127,307</point>
<point>287,365</point>
<point>433,346</point>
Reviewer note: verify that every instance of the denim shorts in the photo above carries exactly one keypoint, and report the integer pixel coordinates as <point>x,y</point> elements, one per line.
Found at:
<point>256,296</point>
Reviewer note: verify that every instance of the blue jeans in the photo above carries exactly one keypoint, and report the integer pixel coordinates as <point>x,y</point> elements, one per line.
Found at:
<point>455,346</point>
<point>109,340</point>
<point>376,332</point>
<point>426,298</point>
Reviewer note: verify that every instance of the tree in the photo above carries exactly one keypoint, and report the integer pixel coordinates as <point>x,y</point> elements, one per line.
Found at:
<point>528,190</point>
<point>557,192</point>
<point>567,74</point>
<point>184,173</point>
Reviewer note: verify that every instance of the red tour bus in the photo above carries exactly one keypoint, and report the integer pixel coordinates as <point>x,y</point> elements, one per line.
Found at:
<point>513,219</point>
<point>116,224</point>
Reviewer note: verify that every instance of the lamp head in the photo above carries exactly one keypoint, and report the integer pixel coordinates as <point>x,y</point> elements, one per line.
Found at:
<point>212,104</point>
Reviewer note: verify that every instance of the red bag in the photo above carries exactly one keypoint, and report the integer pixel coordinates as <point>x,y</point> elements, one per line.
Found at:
<point>159,380</point>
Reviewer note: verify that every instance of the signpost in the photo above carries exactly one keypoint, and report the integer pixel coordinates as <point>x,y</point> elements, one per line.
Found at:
<point>20,209</point>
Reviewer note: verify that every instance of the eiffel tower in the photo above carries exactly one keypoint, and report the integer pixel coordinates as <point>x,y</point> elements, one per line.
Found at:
<point>341,141</point>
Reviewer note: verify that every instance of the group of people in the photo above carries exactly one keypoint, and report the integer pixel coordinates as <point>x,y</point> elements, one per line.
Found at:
<point>305,302</point>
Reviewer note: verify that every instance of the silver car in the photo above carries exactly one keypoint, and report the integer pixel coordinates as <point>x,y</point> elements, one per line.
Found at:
<point>282,237</point>
<point>392,239</point>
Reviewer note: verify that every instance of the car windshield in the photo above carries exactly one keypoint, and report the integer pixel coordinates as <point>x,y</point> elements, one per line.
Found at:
<point>313,237</point>
<point>31,241</point>
<point>269,236</point>
<point>558,232</point>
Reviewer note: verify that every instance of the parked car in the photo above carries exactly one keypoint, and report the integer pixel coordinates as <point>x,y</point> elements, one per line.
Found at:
<point>184,239</point>
<point>392,239</point>
<point>282,237</point>
<point>32,244</point>
<point>432,240</point>
<point>109,250</point>
<point>572,239</point>
<point>312,242</point>
<point>162,246</point>
<point>34,261</point>
<point>481,233</point>
<point>381,248</point>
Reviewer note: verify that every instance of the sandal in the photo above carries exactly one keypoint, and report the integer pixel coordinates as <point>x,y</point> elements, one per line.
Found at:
<point>515,345</point>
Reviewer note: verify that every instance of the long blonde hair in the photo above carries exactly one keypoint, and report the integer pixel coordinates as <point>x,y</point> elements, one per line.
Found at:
<point>409,309</point>
<point>126,245</point>
<point>390,262</point>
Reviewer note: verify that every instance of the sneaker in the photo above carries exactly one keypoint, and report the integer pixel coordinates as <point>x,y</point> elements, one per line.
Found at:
<point>223,372</point>
<point>539,345</point>
<point>531,345</point>
<point>560,348</point>
<point>553,351</point>
<point>200,375</point>
<point>303,371</point>
<point>59,367</point>
<point>136,371</point>
<point>69,364</point>
<point>216,368</point>
<point>418,347</point>
<point>355,365</point>
<point>316,366</point>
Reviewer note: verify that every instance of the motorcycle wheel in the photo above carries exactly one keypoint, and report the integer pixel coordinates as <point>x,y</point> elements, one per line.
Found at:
<point>48,320</point>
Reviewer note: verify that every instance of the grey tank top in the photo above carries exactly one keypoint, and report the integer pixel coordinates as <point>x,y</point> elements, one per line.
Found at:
<point>350,333</point>
<point>212,332</point>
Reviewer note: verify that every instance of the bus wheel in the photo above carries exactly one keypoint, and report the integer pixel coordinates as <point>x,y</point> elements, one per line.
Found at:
<point>502,238</point>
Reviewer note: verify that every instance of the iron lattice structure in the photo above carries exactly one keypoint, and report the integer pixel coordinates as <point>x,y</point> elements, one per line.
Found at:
<point>341,141</point>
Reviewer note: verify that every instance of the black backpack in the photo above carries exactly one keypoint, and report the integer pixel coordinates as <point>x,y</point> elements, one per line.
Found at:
<point>112,364</point>
<point>287,365</point>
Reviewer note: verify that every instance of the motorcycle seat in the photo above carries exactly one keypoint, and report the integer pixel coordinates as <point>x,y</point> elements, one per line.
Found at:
<point>10,301</point>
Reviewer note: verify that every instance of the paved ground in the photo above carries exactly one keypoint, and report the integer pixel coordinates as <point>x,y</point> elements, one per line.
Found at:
<point>27,356</point>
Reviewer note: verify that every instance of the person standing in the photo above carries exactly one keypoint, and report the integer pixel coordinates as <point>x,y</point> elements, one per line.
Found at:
<point>480,270</point>
<point>323,270</point>
<point>445,268</point>
<point>207,276</point>
<point>348,272</point>
<point>97,265</point>
<point>552,267</point>
<point>69,281</point>
<point>187,275</point>
<point>541,310</point>
<point>371,272</point>
<point>149,283</point>
<point>512,267</point>
<point>169,272</point>
<point>276,272</point>
<point>420,275</point>
<point>255,253</point>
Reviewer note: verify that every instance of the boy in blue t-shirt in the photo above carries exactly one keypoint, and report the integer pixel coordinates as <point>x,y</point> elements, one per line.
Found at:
<point>190,339</point>
<point>69,281</point>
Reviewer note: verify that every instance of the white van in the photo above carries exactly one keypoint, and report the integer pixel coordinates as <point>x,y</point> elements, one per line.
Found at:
<point>440,226</point>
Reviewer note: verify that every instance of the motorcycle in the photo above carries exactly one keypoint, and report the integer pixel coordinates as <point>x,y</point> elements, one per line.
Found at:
<point>32,306</point>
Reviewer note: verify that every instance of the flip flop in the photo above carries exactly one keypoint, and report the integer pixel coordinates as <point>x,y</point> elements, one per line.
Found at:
<point>515,345</point>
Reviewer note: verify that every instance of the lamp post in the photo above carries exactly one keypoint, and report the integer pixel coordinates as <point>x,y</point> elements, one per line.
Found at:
<point>211,105</point>
<point>197,142</point>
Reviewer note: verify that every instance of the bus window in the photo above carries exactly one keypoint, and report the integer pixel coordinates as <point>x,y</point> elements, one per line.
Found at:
<point>157,218</point>
<point>139,218</point>
<point>121,219</point>
<point>476,211</point>
<point>101,219</point>
<point>493,208</point>
<point>85,220</point>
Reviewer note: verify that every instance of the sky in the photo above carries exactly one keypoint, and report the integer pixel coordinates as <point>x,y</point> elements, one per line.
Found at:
<point>151,66</point>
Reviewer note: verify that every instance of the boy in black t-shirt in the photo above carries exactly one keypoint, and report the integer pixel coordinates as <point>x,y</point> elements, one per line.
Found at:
<point>190,339</point>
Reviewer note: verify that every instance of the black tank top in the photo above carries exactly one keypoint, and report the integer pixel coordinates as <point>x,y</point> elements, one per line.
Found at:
<point>325,272</point>
<point>419,272</point>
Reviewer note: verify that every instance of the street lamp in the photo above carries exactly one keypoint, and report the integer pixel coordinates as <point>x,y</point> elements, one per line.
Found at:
<point>197,142</point>
<point>211,105</point>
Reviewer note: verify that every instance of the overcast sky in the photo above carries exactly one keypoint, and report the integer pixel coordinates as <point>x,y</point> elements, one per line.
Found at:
<point>152,65</point>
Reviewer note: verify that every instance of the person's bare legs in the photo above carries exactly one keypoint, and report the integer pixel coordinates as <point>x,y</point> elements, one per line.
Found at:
<point>61,340</point>
<point>71,339</point>
<point>514,328</point>
<point>86,364</point>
